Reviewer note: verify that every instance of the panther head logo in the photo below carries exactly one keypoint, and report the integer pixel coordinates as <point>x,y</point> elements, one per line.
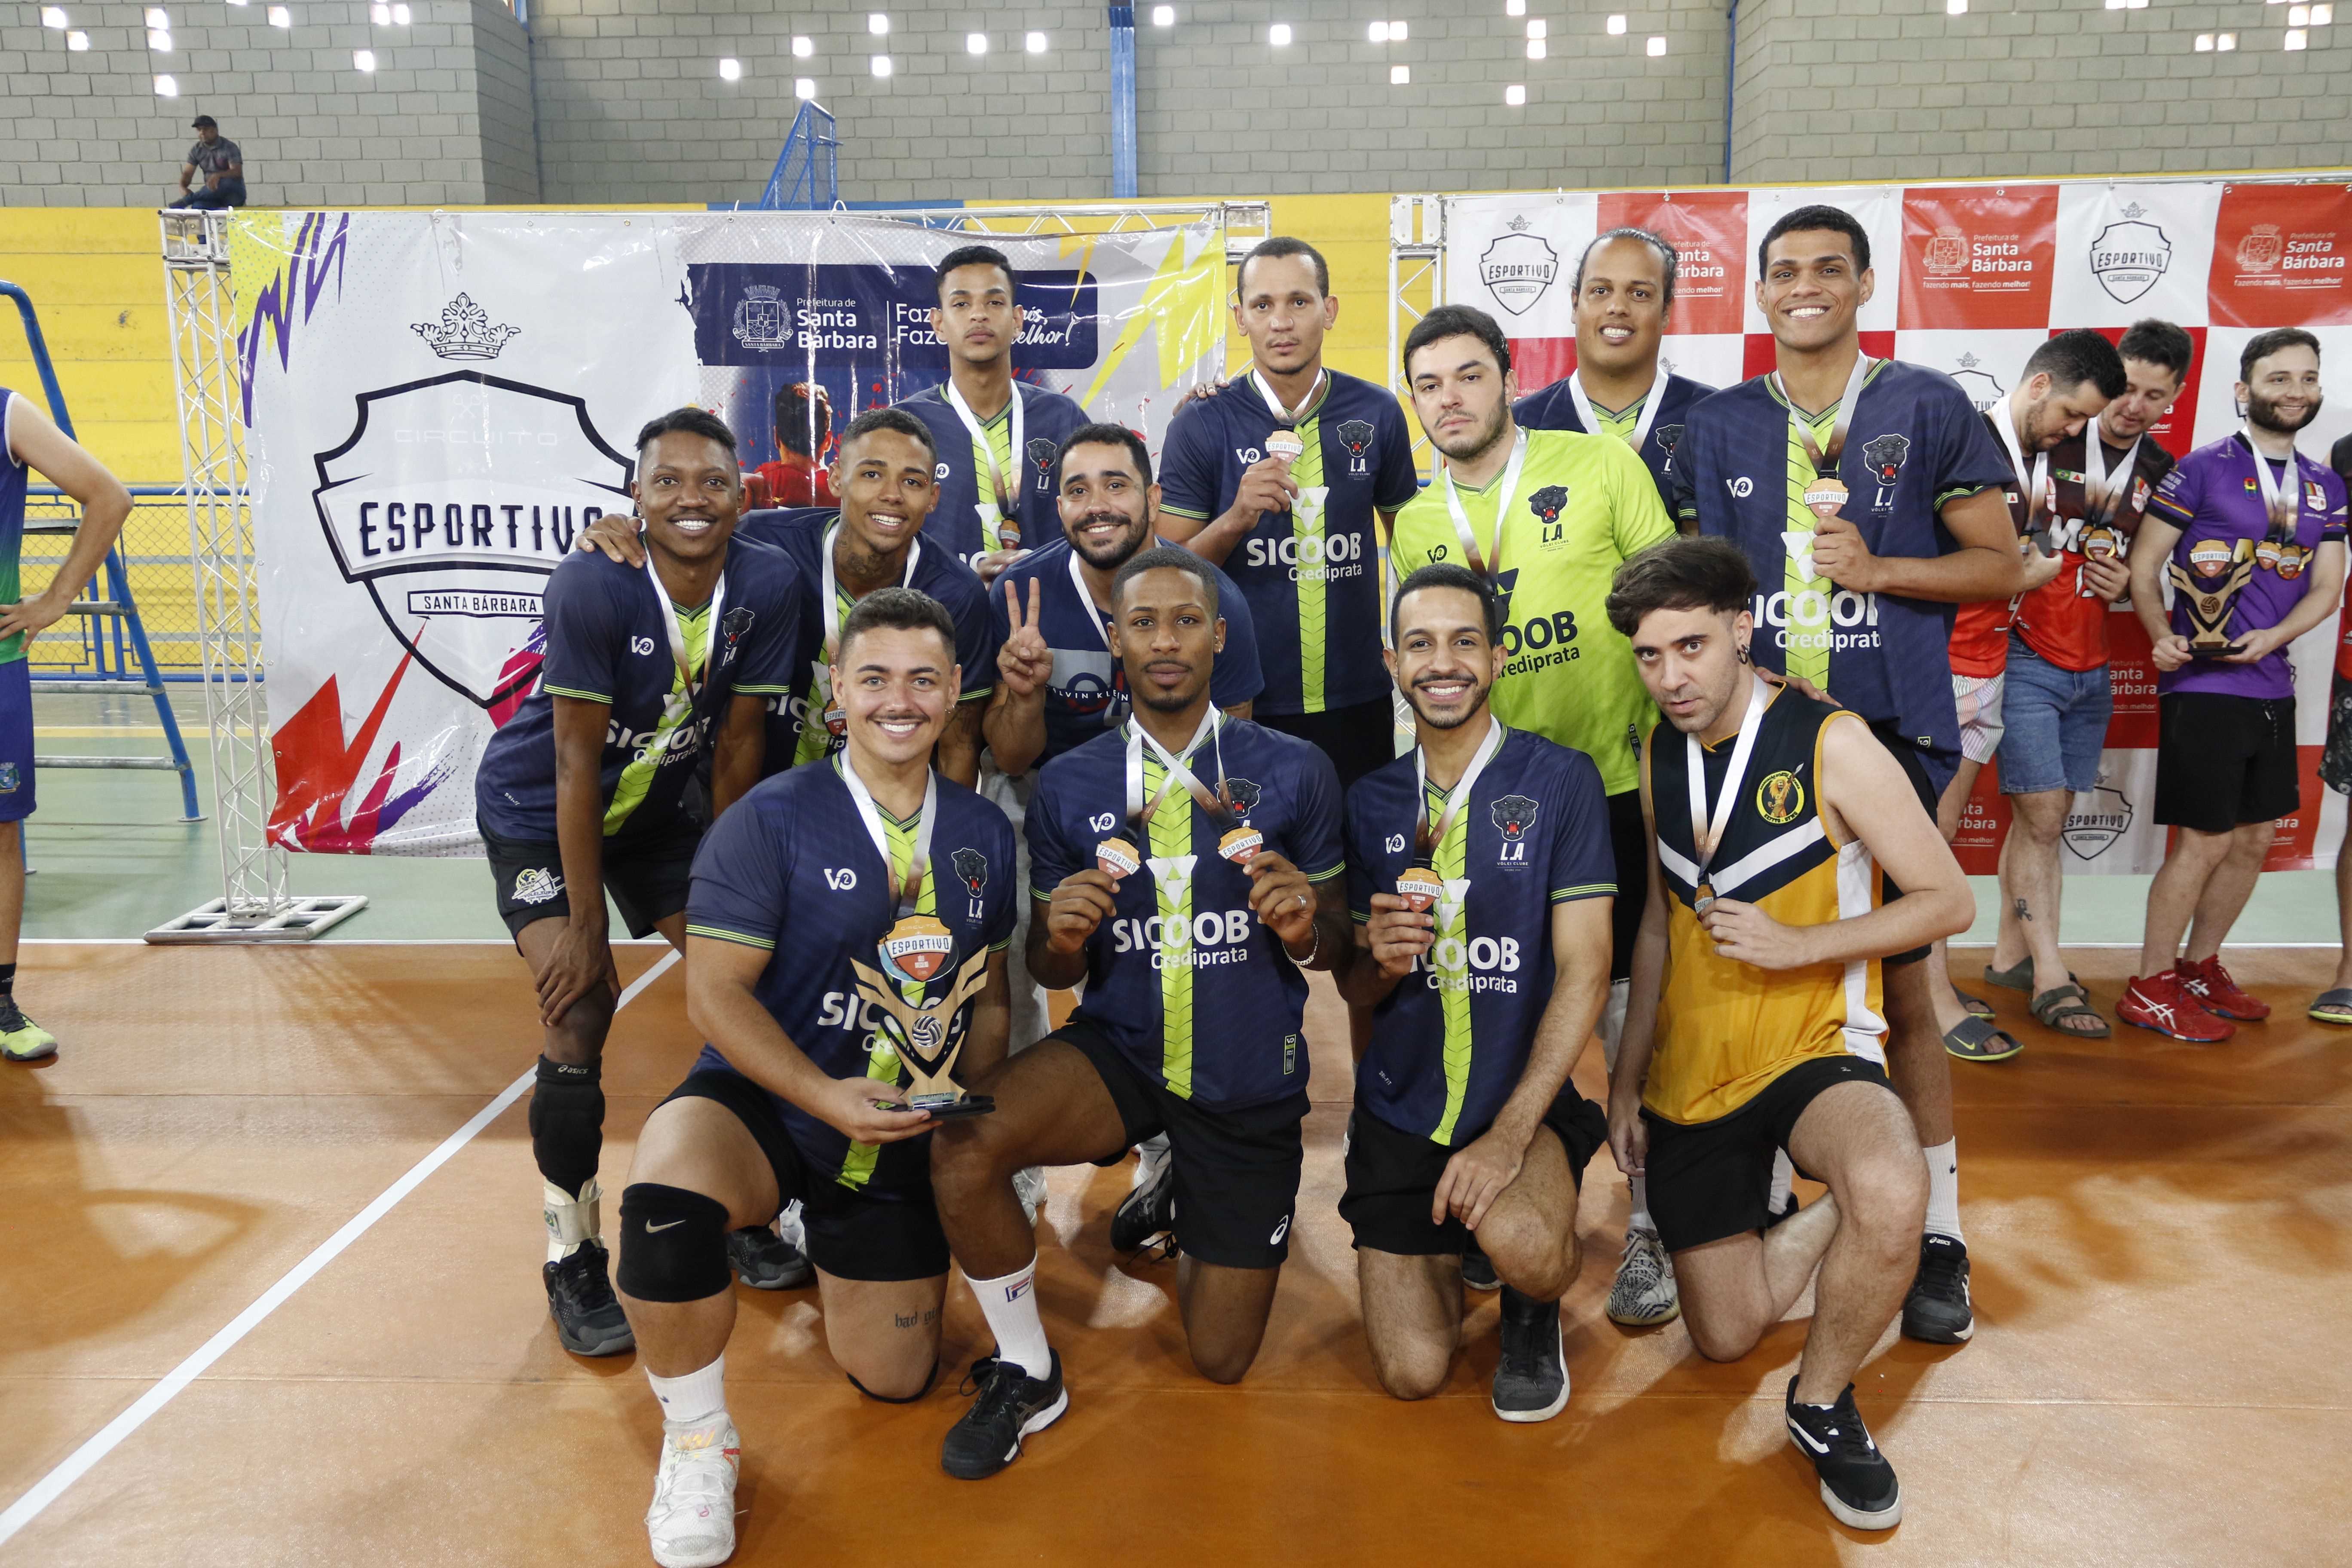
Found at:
<point>1243,795</point>
<point>1886,454</point>
<point>1546,502</point>
<point>1042,455</point>
<point>1515,814</point>
<point>971,866</point>
<point>1357,437</point>
<point>1668,437</point>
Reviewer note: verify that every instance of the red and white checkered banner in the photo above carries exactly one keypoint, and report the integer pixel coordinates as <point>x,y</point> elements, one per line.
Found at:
<point>1969,279</point>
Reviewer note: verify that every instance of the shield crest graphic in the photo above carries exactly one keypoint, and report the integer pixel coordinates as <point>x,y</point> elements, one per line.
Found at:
<point>2098,819</point>
<point>2127,258</point>
<point>2261,250</point>
<point>759,318</point>
<point>1948,253</point>
<point>1518,269</point>
<point>451,501</point>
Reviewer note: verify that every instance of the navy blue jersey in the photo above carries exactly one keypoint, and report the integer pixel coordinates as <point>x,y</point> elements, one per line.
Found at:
<point>791,871</point>
<point>1195,991</point>
<point>796,727</point>
<point>1916,442</point>
<point>961,521</point>
<point>1450,1041</point>
<point>1078,693</point>
<point>1553,408</point>
<point>1311,574</point>
<point>14,476</point>
<point>606,643</point>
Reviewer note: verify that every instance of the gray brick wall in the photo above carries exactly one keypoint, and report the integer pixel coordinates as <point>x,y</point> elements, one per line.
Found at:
<point>1832,90</point>
<point>1220,111</point>
<point>508,116</point>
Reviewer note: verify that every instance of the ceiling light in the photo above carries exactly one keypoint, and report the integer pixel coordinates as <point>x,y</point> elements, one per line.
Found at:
<point>975,43</point>
<point>731,70</point>
<point>1396,32</point>
<point>2322,15</point>
<point>1379,32</point>
<point>1400,75</point>
<point>1616,26</point>
<point>1278,35</point>
<point>2226,42</point>
<point>160,42</point>
<point>1657,47</point>
<point>54,16</point>
<point>363,58</point>
<point>380,15</point>
<point>1163,16</point>
<point>279,16</point>
<point>166,88</point>
<point>1514,95</point>
<point>2298,17</point>
<point>1956,7</point>
<point>1535,49</point>
<point>400,16</point>
<point>78,41</point>
<point>881,65</point>
<point>2204,43</point>
<point>157,20</point>
<point>2295,38</point>
<point>1539,29</point>
<point>803,49</point>
<point>1035,43</point>
<point>878,24</point>
<point>1514,8</point>
<point>804,89</point>
<point>2114,5</point>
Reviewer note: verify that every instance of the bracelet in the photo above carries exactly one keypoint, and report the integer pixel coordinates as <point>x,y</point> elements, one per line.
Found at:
<point>1314,946</point>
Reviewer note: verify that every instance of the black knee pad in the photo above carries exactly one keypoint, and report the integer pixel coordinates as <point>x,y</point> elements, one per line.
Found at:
<point>928,1378</point>
<point>567,1122</point>
<point>673,1244</point>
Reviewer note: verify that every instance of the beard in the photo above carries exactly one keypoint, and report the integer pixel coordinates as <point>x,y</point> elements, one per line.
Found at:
<point>2044,427</point>
<point>1121,550</point>
<point>2264,412</point>
<point>1479,442</point>
<point>1469,710</point>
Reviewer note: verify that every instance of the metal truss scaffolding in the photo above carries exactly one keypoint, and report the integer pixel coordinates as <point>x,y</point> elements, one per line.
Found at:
<point>200,306</point>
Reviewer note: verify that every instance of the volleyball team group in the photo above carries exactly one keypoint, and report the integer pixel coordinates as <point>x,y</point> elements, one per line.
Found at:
<point>1695,682</point>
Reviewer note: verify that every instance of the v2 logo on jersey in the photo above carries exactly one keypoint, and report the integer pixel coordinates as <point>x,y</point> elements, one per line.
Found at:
<point>641,647</point>
<point>840,879</point>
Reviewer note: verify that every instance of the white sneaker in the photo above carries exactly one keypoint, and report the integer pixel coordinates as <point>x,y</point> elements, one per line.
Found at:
<point>692,1520</point>
<point>1029,1186</point>
<point>1645,1294</point>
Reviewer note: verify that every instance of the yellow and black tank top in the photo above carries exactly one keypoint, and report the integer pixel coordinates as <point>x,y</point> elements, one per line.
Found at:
<point>1726,1029</point>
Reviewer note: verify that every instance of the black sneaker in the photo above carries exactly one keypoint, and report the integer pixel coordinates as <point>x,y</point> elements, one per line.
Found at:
<point>1937,1310</point>
<point>766,1261</point>
<point>1010,1405</point>
<point>1857,1483</point>
<point>588,1316</point>
<point>1531,1381</point>
<point>1149,1211</point>
<point>1478,1270</point>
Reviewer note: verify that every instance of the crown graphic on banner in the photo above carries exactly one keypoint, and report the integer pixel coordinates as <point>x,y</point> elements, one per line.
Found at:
<point>1967,361</point>
<point>2132,209</point>
<point>464,332</point>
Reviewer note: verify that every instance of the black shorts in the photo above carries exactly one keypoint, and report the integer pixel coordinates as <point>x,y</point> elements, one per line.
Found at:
<point>2223,761</point>
<point>646,873</point>
<point>1920,765</point>
<point>1392,1177</point>
<point>1709,1180</point>
<point>1629,843</point>
<point>1236,1171</point>
<point>2335,759</point>
<point>852,1235</point>
<point>1358,740</point>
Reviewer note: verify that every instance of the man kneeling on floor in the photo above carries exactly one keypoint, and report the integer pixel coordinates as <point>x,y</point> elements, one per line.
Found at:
<point>815,892</point>
<point>1481,877</point>
<point>1756,1024</point>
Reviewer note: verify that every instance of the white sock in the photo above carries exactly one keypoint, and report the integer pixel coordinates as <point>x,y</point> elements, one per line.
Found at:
<point>1944,1190</point>
<point>1151,1159</point>
<point>1784,1180</point>
<point>1640,1219</point>
<point>695,1399</point>
<point>1009,1303</point>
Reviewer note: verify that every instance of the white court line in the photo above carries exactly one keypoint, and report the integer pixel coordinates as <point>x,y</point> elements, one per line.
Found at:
<point>25,1509</point>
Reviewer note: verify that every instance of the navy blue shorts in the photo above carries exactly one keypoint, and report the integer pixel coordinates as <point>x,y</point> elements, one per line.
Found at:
<point>15,740</point>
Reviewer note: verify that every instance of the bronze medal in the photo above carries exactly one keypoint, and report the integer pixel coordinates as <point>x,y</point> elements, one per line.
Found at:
<point>918,947</point>
<point>1239,844</point>
<point>1117,859</point>
<point>1420,888</point>
<point>1287,445</point>
<point>1825,495</point>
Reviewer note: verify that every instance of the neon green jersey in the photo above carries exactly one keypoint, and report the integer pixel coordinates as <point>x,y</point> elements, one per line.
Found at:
<point>638,776</point>
<point>1583,504</point>
<point>882,1063</point>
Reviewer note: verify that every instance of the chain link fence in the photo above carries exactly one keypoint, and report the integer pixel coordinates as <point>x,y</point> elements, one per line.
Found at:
<point>163,584</point>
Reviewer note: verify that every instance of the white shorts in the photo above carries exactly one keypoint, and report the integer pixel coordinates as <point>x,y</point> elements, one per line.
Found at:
<point>1979,701</point>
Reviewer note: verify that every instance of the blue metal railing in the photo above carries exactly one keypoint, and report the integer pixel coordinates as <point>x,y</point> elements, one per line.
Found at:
<point>807,176</point>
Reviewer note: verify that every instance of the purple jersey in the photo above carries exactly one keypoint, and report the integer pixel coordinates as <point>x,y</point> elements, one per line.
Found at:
<point>2214,498</point>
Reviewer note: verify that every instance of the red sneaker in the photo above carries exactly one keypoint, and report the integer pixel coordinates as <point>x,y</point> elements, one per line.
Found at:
<point>2217,992</point>
<point>2164,1003</point>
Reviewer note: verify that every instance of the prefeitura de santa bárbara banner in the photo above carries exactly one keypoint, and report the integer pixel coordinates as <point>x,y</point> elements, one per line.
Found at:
<point>1969,279</point>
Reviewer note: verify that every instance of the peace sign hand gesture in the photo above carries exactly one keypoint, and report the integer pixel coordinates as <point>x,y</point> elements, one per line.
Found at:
<point>1024,661</point>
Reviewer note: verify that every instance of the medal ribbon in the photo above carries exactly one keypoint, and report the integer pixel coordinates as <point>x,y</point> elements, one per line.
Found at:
<point>677,639</point>
<point>1706,831</point>
<point>2032,480</point>
<point>2282,503</point>
<point>1007,491</point>
<point>1492,564</point>
<point>831,596</point>
<point>1650,402</point>
<point>1284,415</point>
<point>1425,839</point>
<point>909,893</point>
<point>1173,773</point>
<point>2101,494</point>
<point>1825,459</point>
<point>1115,711</point>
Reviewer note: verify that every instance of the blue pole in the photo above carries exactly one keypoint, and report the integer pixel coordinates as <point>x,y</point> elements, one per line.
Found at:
<point>1730,81</point>
<point>1122,103</point>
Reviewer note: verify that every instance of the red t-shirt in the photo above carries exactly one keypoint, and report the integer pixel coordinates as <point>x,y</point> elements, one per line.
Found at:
<point>2063,620</point>
<point>2340,459</point>
<point>1980,629</point>
<point>795,481</point>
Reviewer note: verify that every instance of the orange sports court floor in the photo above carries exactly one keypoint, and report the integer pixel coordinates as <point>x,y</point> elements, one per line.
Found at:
<point>2161,1269</point>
